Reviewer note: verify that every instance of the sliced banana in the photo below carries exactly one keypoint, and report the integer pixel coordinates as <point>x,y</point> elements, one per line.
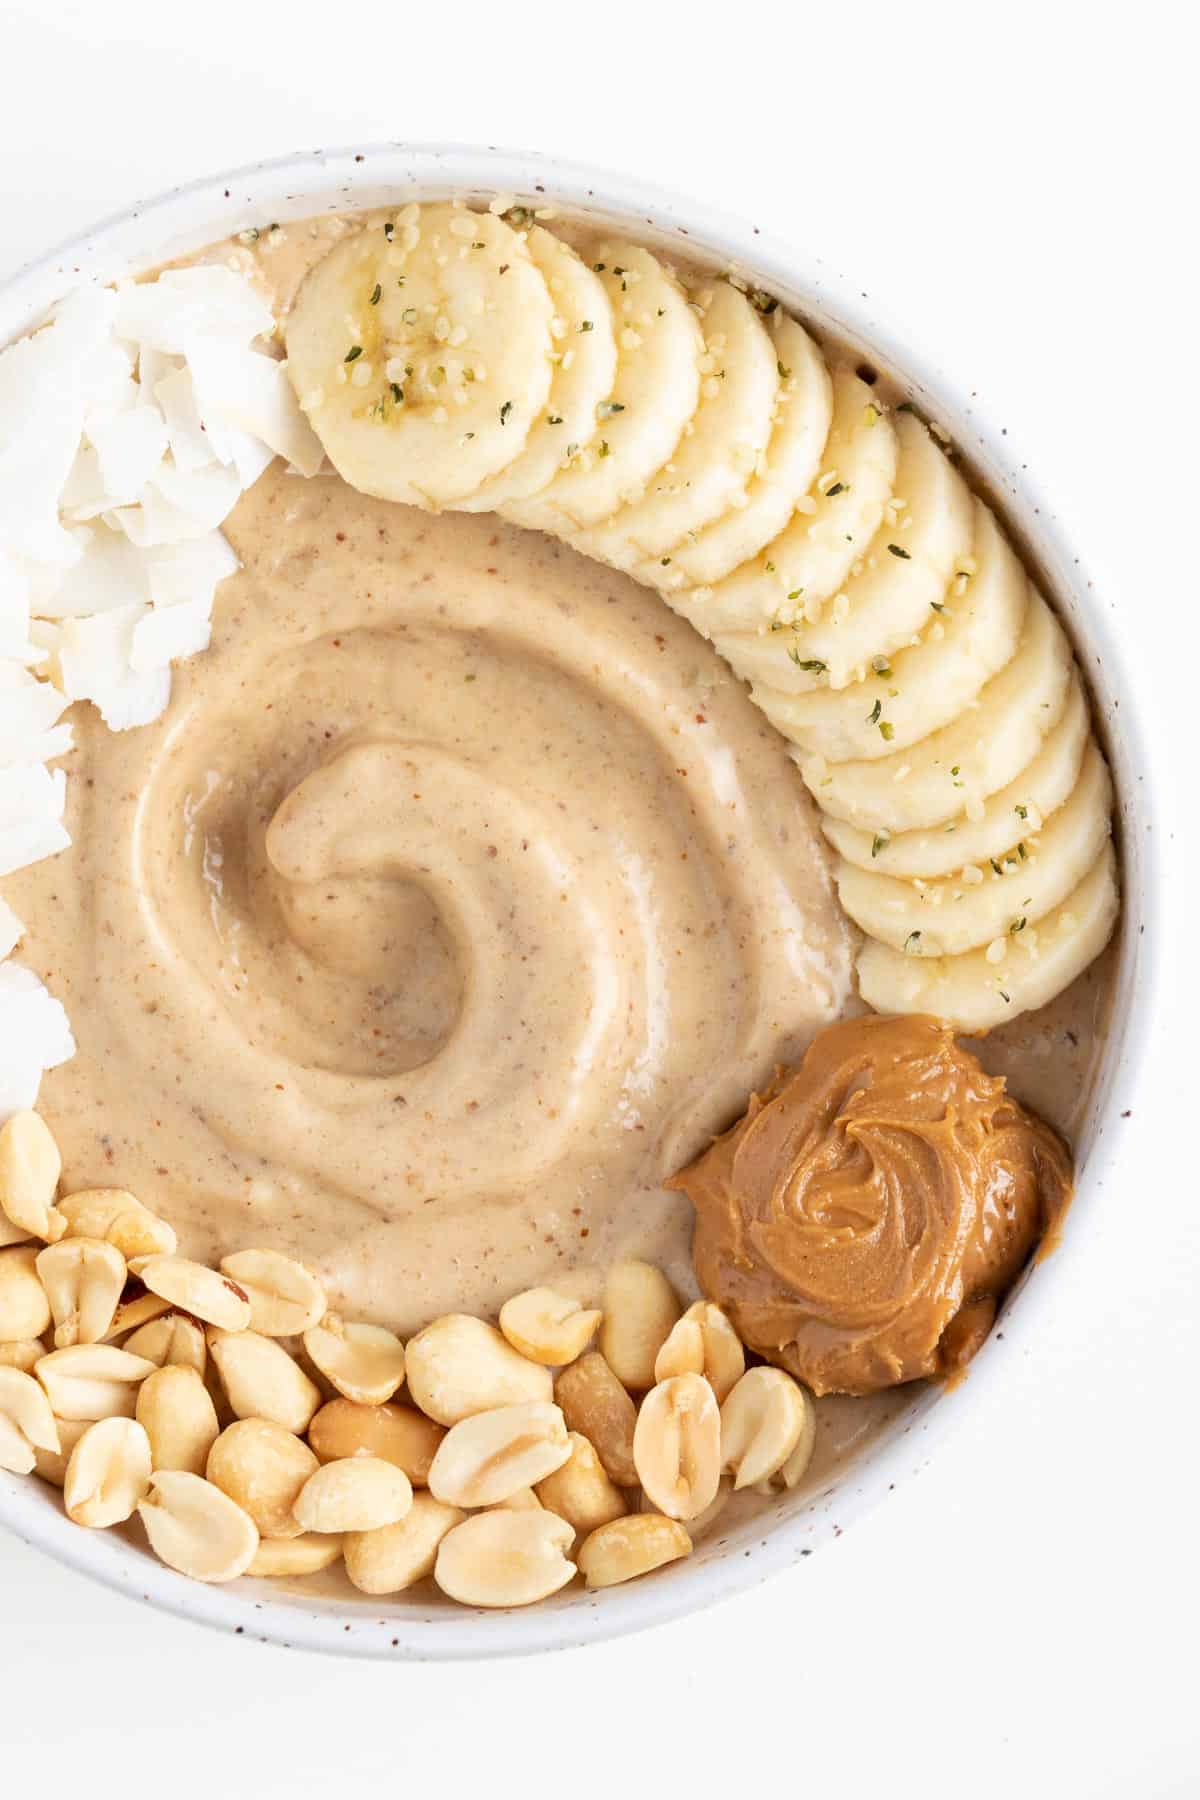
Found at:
<point>584,371</point>
<point>887,600</point>
<point>1003,898</point>
<point>654,395</point>
<point>791,464</point>
<point>969,638</point>
<point>713,465</point>
<point>975,994</point>
<point>423,355</point>
<point>810,560</point>
<point>985,748</point>
<point>1001,822</point>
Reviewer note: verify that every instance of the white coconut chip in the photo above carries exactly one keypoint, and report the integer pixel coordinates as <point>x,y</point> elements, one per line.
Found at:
<point>110,572</point>
<point>11,930</point>
<point>32,801</point>
<point>129,448</point>
<point>207,301</point>
<point>251,392</point>
<point>177,573</point>
<point>168,633</point>
<point>37,1037</point>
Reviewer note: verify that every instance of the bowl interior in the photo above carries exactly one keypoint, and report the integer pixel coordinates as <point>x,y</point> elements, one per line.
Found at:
<point>750,1542</point>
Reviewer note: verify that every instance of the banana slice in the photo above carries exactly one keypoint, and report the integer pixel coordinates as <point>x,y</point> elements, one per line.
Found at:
<point>975,994</point>
<point>1001,822</point>
<point>971,635</point>
<point>982,751</point>
<point>811,558</point>
<point>1004,897</point>
<point>888,599</point>
<point>714,463</point>
<point>792,462</point>
<point>584,373</point>
<point>422,355</point>
<point>654,395</point>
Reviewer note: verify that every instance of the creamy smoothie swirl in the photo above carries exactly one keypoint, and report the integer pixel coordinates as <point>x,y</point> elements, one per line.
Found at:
<point>460,897</point>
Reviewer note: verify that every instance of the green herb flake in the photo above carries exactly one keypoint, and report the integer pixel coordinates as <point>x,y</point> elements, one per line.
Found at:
<point>353,353</point>
<point>505,410</point>
<point>608,408</point>
<point>881,665</point>
<point>1022,812</point>
<point>586,325</point>
<point>900,551</point>
<point>761,301</point>
<point>938,605</point>
<point>811,665</point>
<point>995,865</point>
<point>664,560</point>
<point>879,842</point>
<point>519,217</point>
<point>839,487</point>
<point>599,267</point>
<point>887,730</point>
<point>389,230</point>
<point>795,593</point>
<point>906,406</point>
<point>955,769</point>
<point>604,449</point>
<point>1005,997</point>
<point>376,295</point>
<point>785,374</point>
<point>470,678</point>
<point>874,715</point>
<point>397,393</point>
<point>1022,852</point>
<point>769,568</point>
<point>554,418</point>
<point>1017,925</point>
<point>912,944</point>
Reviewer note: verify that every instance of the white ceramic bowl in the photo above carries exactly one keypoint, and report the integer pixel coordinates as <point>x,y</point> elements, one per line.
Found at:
<point>298,186</point>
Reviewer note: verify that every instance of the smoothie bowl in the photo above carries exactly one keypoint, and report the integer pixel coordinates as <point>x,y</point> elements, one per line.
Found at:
<point>574,895</point>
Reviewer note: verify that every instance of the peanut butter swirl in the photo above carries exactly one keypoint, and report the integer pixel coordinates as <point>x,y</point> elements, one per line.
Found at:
<point>863,1220</point>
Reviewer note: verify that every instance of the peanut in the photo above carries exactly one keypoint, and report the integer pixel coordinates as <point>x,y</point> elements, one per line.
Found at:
<point>487,1458</point>
<point>286,1299</point>
<point>204,1293</point>
<point>548,1327</point>
<point>399,1434</point>
<point>262,1467</point>
<point>360,1493</point>
<point>459,1365</point>
<point>30,1166</point>
<point>703,1342</point>
<point>171,1340</point>
<point>596,1405</point>
<point>630,1547</point>
<point>22,1353</point>
<point>303,1555</point>
<point>394,1557</point>
<point>363,1362</point>
<point>107,1474</point>
<point>505,1558</point>
<point>761,1424</point>
<point>176,1411</point>
<point>580,1491</point>
<point>24,1308</point>
<point>84,1279</point>
<point>120,1219</point>
<point>640,1309</point>
<point>195,1528</point>
<point>261,1380</point>
<point>51,1465</point>
<point>92,1381</point>
<point>677,1446</point>
<point>26,1422</point>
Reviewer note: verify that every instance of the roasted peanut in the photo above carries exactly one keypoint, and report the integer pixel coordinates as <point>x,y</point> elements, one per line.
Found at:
<point>630,1547</point>
<point>398,1434</point>
<point>51,1465</point>
<point>703,1342</point>
<point>120,1219</point>
<point>761,1424</point>
<point>30,1166</point>
<point>505,1558</point>
<point>22,1353</point>
<point>677,1446</point>
<point>459,1365</point>
<point>487,1458</point>
<point>195,1528</point>
<point>394,1557</point>
<point>286,1299</point>
<point>134,1311</point>
<point>84,1279</point>
<point>303,1555</point>
<point>596,1405</point>
<point>26,1422</point>
<point>548,1327</point>
<point>262,1467</point>
<point>360,1493</point>
<point>24,1308</point>
<point>108,1473</point>
<point>640,1309</point>
<point>580,1491</point>
<point>261,1380</point>
<point>172,1339</point>
<point>363,1362</point>
<point>207,1295</point>
<point>92,1381</point>
<point>176,1411</point>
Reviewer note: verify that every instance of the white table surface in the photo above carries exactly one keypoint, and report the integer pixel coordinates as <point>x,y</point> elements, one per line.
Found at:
<point>1021,1619</point>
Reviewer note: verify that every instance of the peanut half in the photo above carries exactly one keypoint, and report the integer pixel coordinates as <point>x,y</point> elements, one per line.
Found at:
<point>363,1362</point>
<point>677,1446</point>
<point>261,1380</point>
<point>580,1491</point>
<point>487,1458</point>
<point>631,1547</point>
<point>26,1422</point>
<point>173,1339</point>
<point>176,1411</point>
<point>394,1557</point>
<point>399,1434</point>
<point>303,1555</point>
<point>21,1353</point>
<point>51,1465</point>
<point>136,1309</point>
<point>704,1343</point>
<point>30,1166</point>
<point>360,1493</point>
<point>761,1424</point>
<point>84,1279</point>
<point>107,1474</point>
<point>286,1299</point>
<point>195,1528</point>
<point>505,1558</point>
<point>596,1405</point>
<point>120,1219</point>
<point>640,1309</point>
<point>548,1327</point>
<point>460,1365</point>
<point>207,1295</point>
<point>24,1308</point>
<point>92,1381</point>
<point>262,1467</point>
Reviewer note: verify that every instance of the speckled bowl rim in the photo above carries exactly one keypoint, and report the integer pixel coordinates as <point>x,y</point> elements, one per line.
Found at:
<point>293,186</point>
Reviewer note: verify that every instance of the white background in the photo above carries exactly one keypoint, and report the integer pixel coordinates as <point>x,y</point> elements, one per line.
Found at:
<point>1013,183</point>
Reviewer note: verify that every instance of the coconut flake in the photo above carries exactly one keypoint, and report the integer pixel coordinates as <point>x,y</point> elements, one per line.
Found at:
<point>170,632</point>
<point>37,1037</point>
<point>32,801</point>
<point>129,447</point>
<point>252,393</point>
<point>207,301</point>
<point>11,930</point>
<point>178,573</point>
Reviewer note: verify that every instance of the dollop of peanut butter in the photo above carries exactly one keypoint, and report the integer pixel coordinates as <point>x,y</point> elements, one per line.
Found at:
<point>863,1220</point>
